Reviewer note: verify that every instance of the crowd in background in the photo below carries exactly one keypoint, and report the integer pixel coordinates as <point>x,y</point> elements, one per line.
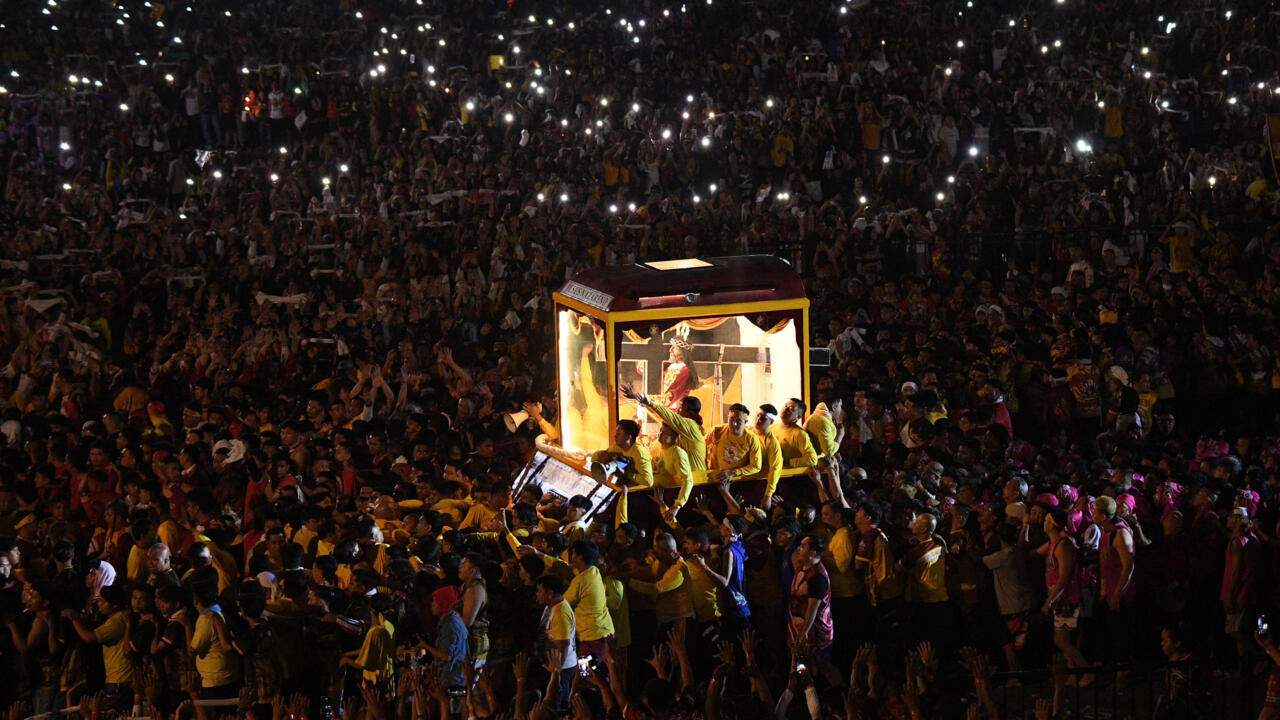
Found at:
<point>273,272</point>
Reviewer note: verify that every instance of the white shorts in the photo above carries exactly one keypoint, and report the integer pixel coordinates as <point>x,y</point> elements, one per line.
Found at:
<point>1070,622</point>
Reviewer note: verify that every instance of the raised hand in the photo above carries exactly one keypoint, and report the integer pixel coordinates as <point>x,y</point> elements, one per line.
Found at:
<point>726,652</point>
<point>521,666</point>
<point>1044,709</point>
<point>749,646</point>
<point>660,661</point>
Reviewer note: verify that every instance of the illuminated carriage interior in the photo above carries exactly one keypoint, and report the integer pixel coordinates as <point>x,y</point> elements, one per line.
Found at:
<point>724,330</point>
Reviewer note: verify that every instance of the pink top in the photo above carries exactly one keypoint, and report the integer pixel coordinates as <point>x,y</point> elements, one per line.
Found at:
<point>1070,597</point>
<point>1247,577</point>
<point>1110,567</point>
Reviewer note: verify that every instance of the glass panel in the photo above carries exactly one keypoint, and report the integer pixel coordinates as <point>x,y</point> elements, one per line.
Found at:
<point>584,412</point>
<point>720,361</point>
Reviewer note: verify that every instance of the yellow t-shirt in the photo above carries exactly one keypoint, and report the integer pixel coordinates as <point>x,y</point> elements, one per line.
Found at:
<point>615,593</point>
<point>689,433</point>
<point>377,654</point>
<point>838,559</point>
<point>671,469</point>
<point>170,535</point>
<point>797,448</point>
<point>641,465</point>
<point>478,517</point>
<point>734,452</point>
<point>590,605</point>
<point>136,565</point>
<point>115,651</point>
<point>927,578</point>
<point>217,667</point>
<point>560,625</point>
<point>456,510</point>
<point>822,431</point>
<point>771,461</point>
<point>704,592</point>
<point>671,597</point>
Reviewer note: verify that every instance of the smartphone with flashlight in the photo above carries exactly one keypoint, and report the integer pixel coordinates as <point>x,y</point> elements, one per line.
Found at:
<point>584,665</point>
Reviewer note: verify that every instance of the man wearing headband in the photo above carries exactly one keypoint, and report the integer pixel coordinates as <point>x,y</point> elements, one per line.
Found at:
<point>734,453</point>
<point>770,452</point>
<point>797,448</point>
<point>687,425</point>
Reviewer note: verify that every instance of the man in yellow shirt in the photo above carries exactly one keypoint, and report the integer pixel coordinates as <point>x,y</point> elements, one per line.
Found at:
<point>687,424</point>
<point>376,658</point>
<point>113,636</point>
<point>217,662</point>
<point>733,453</point>
<point>824,427</point>
<point>639,471</point>
<point>671,469</point>
<point>797,448</point>
<point>586,595</point>
<point>847,593</point>
<point>667,581</point>
<point>770,453</point>
<point>557,630</point>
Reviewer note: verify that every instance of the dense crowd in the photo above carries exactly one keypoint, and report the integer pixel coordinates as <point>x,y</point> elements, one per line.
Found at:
<point>273,272</point>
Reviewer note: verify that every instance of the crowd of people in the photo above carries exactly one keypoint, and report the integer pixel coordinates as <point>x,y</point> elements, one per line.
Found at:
<point>273,272</point>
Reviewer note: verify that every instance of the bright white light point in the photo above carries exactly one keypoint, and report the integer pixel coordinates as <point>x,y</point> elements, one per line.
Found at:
<point>142,62</point>
<point>343,168</point>
<point>973,151</point>
<point>599,123</point>
<point>73,79</point>
<point>844,10</point>
<point>509,118</point>
<point>533,18</point>
<point>441,43</point>
<point>688,98</point>
<point>862,199</point>
<point>1146,75</point>
<point>1044,49</point>
<point>641,23</point>
<point>604,102</point>
<point>228,13</point>
<point>564,122</point>
<point>168,77</point>
<point>959,43</point>
<point>666,134</point>
<point>1057,43</point>
<point>541,197</point>
<point>713,187</point>
<point>635,107</point>
<point>284,150</point>
<point>885,159</point>
<point>1146,50</point>
<point>706,142</point>
<point>588,131</point>
<point>124,107</point>
<point>1213,180</point>
<point>572,26</point>
<point>1012,22</point>
<point>382,68</point>
<point>685,114</point>
<point>177,40</point>
<point>696,199</point>
<point>1102,105</point>
<point>515,49</point>
<point>550,22</point>
<point>951,179</point>
<point>1231,100</point>
<point>373,72</point>
<point>508,84</point>
<point>613,208</point>
<point>567,71</point>
<point>666,13</point>
<point>325,180</point>
<point>1228,14</point>
<point>190,181</point>
<point>631,207</point>
<point>431,69</point>
<point>384,30</point>
<point>66,186</point>
<point>470,106</point>
<point>297,91</point>
<point>217,174</point>
<point>940,197</point>
<point>564,197</point>
<point>1081,145</point>
<point>635,39</point>
<point>275,177</point>
<point>244,71</point>
<point>1164,104</point>
<point>1261,85</point>
<point>947,72</point>
<point>768,103</point>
